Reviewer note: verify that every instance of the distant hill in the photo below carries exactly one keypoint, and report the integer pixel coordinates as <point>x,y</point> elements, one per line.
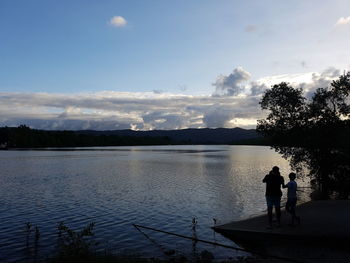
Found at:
<point>187,136</point>
<point>25,137</point>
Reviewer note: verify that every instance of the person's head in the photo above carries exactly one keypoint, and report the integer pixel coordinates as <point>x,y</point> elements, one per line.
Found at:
<point>292,176</point>
<point>275,169</point>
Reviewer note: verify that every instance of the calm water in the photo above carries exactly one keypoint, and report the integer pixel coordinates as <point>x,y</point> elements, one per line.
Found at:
<point>162,187</point>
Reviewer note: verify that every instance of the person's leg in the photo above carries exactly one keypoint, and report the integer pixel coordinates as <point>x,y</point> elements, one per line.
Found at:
<point>292,212</point>
<point>288,208</point>
<point>278,215</point>
<point>294,216</point>
<point>278,210</point>
<point>269,214</point>
<point>269,210</point>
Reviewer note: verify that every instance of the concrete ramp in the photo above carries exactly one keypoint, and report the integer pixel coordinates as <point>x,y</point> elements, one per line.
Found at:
<point>321,221</point>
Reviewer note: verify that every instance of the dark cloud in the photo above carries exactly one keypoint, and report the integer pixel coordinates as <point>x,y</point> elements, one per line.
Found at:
<point>157,91</point>
<point>257,89</point>
<point>231,85</point>
<point>331,72</point>
<point>217,118</point>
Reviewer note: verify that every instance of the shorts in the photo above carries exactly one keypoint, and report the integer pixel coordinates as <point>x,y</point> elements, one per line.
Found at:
<point>291,203</point>
<point>273,201</point>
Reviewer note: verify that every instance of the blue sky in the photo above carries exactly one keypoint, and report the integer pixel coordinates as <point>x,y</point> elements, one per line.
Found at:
<point>165,48</point>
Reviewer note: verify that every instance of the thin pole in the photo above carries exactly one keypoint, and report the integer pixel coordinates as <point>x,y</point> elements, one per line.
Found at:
<point>217,244</point>
<point>153,241</point>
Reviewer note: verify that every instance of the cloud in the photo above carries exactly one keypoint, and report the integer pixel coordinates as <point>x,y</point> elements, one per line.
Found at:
<point>257,89</point>
<point>319,80</point>
<point>166,120</point>
<point>343,21</point>
<point>110,110</point>
<point>218,117</point>
<point>157,91</point>
<point>231,85</point>
<point>122,110</point>
<point>250,28</point>
<point>308,82</point>
<point>68,124</point>
<point>118,21</point>
<point>293,79</point>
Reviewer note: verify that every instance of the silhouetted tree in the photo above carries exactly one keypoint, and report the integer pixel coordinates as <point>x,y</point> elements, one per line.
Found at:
<point>313,134</point>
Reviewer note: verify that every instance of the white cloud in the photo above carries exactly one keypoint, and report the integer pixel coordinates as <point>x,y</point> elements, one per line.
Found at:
<point>118,21</point>
<point>109,110</point>
<point>319,80</point>
<point>343,21</point>
<point>290,78</point>
<point>122,110</point>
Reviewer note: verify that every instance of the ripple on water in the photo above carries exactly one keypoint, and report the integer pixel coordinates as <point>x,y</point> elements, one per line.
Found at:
<point>162,187</point>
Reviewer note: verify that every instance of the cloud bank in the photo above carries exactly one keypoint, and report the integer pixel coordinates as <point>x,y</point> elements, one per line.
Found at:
<point>234,103</point>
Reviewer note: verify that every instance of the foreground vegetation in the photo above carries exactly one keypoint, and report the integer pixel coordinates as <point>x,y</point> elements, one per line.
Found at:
<point>80,246</point>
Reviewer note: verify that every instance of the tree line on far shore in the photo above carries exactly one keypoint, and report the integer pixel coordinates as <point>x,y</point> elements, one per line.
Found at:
<point>25,137</point>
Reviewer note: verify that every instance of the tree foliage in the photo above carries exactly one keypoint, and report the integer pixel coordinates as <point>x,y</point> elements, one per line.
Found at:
<point>312,133</point>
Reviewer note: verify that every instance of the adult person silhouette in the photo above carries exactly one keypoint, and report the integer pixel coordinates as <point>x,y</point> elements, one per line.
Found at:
<point>274,181</point>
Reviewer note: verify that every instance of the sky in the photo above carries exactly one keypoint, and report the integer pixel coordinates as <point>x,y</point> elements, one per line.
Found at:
<point>158,64</point>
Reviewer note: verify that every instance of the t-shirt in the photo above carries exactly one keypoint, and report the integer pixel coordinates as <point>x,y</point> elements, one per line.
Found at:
<point>292,189</point>
<point>273,184</point>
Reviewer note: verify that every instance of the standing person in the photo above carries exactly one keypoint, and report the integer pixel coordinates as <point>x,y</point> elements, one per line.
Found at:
<point>273,194</point>
<point>292,198</point>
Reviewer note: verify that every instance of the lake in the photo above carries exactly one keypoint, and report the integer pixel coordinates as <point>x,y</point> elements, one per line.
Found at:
<point>157,186</point>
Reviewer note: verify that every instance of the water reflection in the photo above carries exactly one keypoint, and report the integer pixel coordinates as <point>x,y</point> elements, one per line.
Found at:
<point>163,187</point>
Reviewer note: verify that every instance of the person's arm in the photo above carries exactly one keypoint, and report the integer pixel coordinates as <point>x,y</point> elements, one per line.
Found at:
<point>265,178</point>
<point>282,182</point>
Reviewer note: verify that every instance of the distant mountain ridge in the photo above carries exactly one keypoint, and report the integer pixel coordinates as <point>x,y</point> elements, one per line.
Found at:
<point>25,137</point>
<point>187,136</point>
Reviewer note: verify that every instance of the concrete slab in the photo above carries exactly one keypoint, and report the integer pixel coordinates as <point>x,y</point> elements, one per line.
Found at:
<point>321,221</point>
